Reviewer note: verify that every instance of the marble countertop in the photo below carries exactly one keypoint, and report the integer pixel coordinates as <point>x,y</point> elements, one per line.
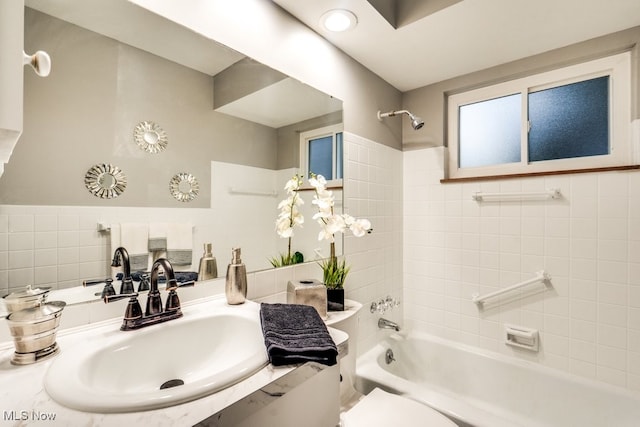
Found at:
<point>24,401</point>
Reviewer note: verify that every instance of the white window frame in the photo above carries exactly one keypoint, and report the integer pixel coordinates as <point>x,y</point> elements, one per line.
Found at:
<point>305,137</point>
<point>617,67</point>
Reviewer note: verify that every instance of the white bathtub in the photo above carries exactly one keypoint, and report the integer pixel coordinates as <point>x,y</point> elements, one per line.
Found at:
<point>485,389</point>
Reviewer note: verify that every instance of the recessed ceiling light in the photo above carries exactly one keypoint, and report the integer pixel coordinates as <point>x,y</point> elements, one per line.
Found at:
<point>338,20</point>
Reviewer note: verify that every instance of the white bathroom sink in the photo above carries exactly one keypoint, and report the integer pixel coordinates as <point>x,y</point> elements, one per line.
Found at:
<point>210,348</point>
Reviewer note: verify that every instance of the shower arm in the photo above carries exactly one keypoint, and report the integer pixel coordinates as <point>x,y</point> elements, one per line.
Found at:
<point>416,122</point>
<point>392,114</point>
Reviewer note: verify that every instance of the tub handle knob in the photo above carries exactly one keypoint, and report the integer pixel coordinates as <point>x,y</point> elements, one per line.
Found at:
<point>383,305</point>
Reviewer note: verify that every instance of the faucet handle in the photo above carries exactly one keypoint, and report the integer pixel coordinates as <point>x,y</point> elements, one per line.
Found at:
<point>154,303</point>
<point>127,285</point>
<point>173,302</point>
<point>144,283</point>
<point>91,282</point>
<point>112,298</point>
<point>172,285</point>
<point>187,284</point>
<point>108,289</point>
<point>133,311</point>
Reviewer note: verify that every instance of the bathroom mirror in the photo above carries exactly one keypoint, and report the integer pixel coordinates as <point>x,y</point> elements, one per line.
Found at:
<point>153,106</point>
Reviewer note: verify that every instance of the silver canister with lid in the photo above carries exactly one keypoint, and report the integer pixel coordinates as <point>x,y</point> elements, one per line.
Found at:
<point>33,324</point>
<point>27,298</point>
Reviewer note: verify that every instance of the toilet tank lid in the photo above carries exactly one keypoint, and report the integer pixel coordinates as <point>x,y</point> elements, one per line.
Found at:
<point>382,408</point>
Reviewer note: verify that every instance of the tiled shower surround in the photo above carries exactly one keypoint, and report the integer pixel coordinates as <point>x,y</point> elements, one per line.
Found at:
<point>50,244</point>
<point>588,241</point>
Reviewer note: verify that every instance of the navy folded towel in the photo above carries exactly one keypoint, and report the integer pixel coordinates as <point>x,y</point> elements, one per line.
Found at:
<point>295,333</point>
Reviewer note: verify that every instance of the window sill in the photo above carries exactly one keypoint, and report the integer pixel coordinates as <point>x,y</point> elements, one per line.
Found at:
<point>533,174</point>
<point>333,184</point>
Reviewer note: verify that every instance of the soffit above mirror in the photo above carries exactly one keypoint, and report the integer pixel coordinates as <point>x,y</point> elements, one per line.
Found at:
<point>302,103</point>
<point>252,91</point>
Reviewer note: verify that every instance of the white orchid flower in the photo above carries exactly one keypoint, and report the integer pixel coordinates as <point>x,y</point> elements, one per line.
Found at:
<point>325,235</point>
<point>285,232</point>
<point>284,204</point>
<point>348,219</point>
<point>293,184</point>
<point>330,223</point>
<point>318,182</point>
<point>360,227</point>
<point>297,218</point>
<point>336,224</point>
<point>290,215</point>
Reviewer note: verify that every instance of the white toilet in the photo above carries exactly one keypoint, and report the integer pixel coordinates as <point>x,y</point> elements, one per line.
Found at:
<point>378,408</point>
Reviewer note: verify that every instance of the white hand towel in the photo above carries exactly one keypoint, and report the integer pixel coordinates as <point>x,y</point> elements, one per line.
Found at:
<point>180,244</point>
<point>134,237</point>
<point>157,237</point>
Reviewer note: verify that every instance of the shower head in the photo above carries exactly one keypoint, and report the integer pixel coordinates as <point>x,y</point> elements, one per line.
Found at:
<point>416,122</point>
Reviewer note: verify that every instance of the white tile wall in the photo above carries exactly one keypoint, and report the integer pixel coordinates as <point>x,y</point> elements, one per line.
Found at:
<point>373,190</point>
<point>60,246</point>
<point>589,241</point>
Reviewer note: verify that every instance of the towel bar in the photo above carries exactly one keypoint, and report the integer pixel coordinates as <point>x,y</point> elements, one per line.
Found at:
<point>239,191</point>
<point>540,276</point>
<point>553,193</point>
<point>106,228</point>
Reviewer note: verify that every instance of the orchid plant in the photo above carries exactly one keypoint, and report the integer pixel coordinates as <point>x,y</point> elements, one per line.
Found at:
<point>289,218</point>
<point>334,271</point>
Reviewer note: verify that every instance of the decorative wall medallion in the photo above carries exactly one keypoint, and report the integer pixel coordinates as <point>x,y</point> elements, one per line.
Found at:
<point>184,187</point>
<point>105,181</point>
<point>150,137</point>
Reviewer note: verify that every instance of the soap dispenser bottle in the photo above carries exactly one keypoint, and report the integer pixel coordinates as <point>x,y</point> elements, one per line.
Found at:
<point>208,264</point>
<point>236,283</point>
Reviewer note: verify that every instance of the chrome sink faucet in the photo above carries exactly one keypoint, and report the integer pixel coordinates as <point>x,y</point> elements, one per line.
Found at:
<point>154,313</point>
<point>388,324</point>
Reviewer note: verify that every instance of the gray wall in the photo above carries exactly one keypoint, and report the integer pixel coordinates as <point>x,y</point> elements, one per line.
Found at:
<point>431,100</point>
<point>84,113</point>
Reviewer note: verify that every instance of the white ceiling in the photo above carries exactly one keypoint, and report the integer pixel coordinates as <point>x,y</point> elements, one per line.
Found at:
<point>470,35</point>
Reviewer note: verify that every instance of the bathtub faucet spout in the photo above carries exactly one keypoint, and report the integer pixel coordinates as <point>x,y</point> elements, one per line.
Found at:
<point>388,324</point>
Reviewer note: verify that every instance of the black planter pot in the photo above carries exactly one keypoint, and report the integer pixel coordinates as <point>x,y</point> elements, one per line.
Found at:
<point>335,299</point>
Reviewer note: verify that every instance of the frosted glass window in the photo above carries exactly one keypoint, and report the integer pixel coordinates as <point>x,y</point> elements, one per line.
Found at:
<point>489,132</point>
<point>569,118</point>
<point>321,156</point>
<point>569,121</point>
